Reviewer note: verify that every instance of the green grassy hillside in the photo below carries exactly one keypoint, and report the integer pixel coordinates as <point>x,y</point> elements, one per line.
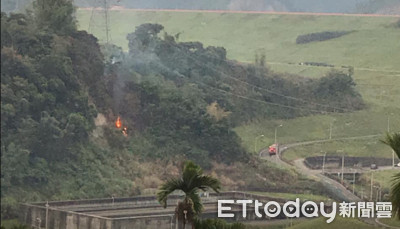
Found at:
<point>373,45</point>
<point>372,49</point>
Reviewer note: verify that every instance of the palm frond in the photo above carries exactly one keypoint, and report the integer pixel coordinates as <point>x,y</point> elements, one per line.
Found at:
<point>395,195</point>
<point>195,199</point>
<point>167,188</point>
<point>190,172</point>
<point>190,183</point>
<point>393,140</point>
<point>206,182</point>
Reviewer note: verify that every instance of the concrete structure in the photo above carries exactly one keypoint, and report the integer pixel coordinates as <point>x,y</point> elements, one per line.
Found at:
<point>121,213</point>
<point>350,162</point>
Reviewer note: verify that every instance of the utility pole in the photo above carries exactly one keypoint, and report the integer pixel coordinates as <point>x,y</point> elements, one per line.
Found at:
<point>342,167</point>
<point>393,159</point>
<point>323,164</point>
<point>372,181</point>
<point>388,130</point>
<point>47,213</point>
<point>354,179</point>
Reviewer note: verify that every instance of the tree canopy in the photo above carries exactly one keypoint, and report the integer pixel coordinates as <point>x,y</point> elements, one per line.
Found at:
<point>55,15</point>
<point>178,100</point>
<point>393,140</point>
<point>190,183</point>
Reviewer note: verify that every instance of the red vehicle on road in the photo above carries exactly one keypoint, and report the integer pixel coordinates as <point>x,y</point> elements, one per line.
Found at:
<point>273,149</point>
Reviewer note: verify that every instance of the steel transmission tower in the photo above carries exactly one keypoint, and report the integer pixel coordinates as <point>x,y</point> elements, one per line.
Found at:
<point>99,23</point>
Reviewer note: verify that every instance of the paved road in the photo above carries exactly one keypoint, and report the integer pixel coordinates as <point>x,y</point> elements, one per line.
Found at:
<point>341,192</point>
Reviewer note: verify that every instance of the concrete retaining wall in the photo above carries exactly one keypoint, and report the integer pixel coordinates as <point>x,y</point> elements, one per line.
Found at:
<point>161,222</point>
<point>70,214</point>
<point>336,161</point>
<point>35,216</point>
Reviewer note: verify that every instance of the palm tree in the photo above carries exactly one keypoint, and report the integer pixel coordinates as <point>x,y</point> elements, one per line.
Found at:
<point>393,140</point>
<point>190,183</point>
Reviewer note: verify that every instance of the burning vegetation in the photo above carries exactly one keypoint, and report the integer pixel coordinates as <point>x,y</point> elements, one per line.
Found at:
<point>118,125</point>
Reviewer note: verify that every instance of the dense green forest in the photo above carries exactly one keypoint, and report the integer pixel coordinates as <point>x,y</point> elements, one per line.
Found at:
<point>247,91</point>
<point>178,101</point>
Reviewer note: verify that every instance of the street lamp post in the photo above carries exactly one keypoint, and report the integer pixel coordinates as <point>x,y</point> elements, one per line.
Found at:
<point>354,179</point>
<point>323,164</point>
<point>342,165</point>
<point>372,182</point>
<point>47,213</point>
<point>378,193</point>
<point>255,142</point>
<point>388,130</point>
<point>392,158</point>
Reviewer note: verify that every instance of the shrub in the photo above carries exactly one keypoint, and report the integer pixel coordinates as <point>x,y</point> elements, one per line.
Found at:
<point>322,36</point>
<point>317,64</point>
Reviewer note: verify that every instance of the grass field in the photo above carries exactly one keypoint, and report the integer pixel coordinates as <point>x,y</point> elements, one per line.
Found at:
<point>244,34</point>
<point>317,127</point>
<point>384,178</point>
<point>373,49</point>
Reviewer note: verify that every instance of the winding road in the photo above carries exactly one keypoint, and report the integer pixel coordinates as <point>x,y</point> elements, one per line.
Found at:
<point>338,189</point>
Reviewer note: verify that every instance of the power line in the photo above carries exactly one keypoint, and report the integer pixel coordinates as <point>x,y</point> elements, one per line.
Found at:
<point>264,89</point>
<point>286,96</point>
<point>262,101</point>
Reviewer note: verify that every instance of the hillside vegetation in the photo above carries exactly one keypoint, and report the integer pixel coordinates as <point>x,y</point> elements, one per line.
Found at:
<point>62,93</point>
<point>372,50</point>
<point>180,95</point>
<point>273,35</point>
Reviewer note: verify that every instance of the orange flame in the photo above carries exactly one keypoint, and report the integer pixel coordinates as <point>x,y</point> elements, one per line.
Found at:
<point>118,123</point>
